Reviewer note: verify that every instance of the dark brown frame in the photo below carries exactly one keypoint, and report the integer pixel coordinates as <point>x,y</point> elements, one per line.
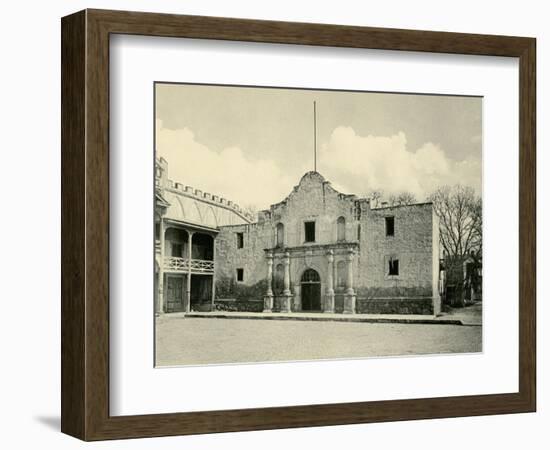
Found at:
<point>85,224</point>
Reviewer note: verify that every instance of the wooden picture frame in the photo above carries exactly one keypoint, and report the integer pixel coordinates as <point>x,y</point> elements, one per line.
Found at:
<point>85,224</point>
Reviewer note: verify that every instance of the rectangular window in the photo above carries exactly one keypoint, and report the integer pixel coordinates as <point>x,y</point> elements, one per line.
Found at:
<point>240,240</point>
<point>177,249</point>
<point>390,226</point>
<point>394,267</point>
<point>240,274</point>
<point>309,231</point>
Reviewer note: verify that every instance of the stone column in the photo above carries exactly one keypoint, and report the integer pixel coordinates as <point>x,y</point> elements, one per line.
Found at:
<point>287,295</point>
<point>161,269</point>
<point>349,298</point>
<point>268,299</point>
<point>187,306</point>
<point>297,298</point>
<point>329,305</point>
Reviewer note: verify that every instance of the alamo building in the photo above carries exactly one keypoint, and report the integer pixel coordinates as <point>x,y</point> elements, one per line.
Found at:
<point>317,250</point>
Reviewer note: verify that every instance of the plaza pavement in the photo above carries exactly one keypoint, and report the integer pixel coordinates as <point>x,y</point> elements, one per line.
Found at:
<point>209,338</point>
<point>470,315</point>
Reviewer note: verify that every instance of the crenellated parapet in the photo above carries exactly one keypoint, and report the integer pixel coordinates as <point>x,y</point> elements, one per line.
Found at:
<point>207,197</point>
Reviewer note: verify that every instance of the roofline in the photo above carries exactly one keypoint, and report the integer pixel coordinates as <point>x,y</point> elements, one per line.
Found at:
<point>324,182</point>
<point>402,206</point>
<point>238,225</point>
<point>191,225</point>
<point>176,191</point>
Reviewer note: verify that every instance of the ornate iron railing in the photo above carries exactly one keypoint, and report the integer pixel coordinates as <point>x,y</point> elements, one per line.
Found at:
<point>177,264</point>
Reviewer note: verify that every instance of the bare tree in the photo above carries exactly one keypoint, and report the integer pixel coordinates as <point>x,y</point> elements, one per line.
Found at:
<point>460,230</point>
<point>251,211</point>
<point>460,219</point>
<point>476,212</point>
<point>375,196</point>
<point>402,199</point>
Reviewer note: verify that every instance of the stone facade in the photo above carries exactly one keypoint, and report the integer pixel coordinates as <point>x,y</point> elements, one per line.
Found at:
<point>322,250</point>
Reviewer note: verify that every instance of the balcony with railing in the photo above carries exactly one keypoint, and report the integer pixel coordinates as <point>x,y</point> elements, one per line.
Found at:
<point>197,266</point>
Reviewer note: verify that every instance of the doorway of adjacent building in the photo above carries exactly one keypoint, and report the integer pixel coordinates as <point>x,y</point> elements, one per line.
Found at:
<point>201,292</point>
<point>311,291</point>
<point>174,293</point>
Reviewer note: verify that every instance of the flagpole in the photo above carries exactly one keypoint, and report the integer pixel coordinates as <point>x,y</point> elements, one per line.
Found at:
<point>315,136</point>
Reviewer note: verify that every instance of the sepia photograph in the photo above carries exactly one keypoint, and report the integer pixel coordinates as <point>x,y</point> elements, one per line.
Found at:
<point>298,224</point>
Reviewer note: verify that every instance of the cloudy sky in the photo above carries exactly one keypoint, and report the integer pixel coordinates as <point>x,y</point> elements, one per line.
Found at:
<point>252,145</point>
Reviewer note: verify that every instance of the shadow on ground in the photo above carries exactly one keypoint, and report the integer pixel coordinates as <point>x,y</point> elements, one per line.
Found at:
<point>52,422</point>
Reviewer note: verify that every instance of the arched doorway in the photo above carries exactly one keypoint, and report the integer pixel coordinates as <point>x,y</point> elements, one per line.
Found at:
<point>311,291</point>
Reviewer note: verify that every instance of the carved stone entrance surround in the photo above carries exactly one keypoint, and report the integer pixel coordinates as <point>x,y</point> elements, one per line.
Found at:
<point>322,259</point>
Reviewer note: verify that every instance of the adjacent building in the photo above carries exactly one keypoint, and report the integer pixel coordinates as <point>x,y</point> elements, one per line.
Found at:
<point>317,250</point>
<point>187,223</point>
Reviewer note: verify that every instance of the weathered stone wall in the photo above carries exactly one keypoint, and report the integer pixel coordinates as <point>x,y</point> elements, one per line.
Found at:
<point>415,244</point>
<point>250,258</point>
<point>435,263</point>
<point>238,305</point>
<point>398,305</point>
<point>314,199</point>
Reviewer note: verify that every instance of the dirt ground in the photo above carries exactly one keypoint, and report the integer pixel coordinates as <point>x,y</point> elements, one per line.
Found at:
<point>193,341</point>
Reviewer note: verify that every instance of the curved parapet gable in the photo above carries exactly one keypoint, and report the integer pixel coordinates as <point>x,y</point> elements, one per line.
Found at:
<point>313,192</point>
